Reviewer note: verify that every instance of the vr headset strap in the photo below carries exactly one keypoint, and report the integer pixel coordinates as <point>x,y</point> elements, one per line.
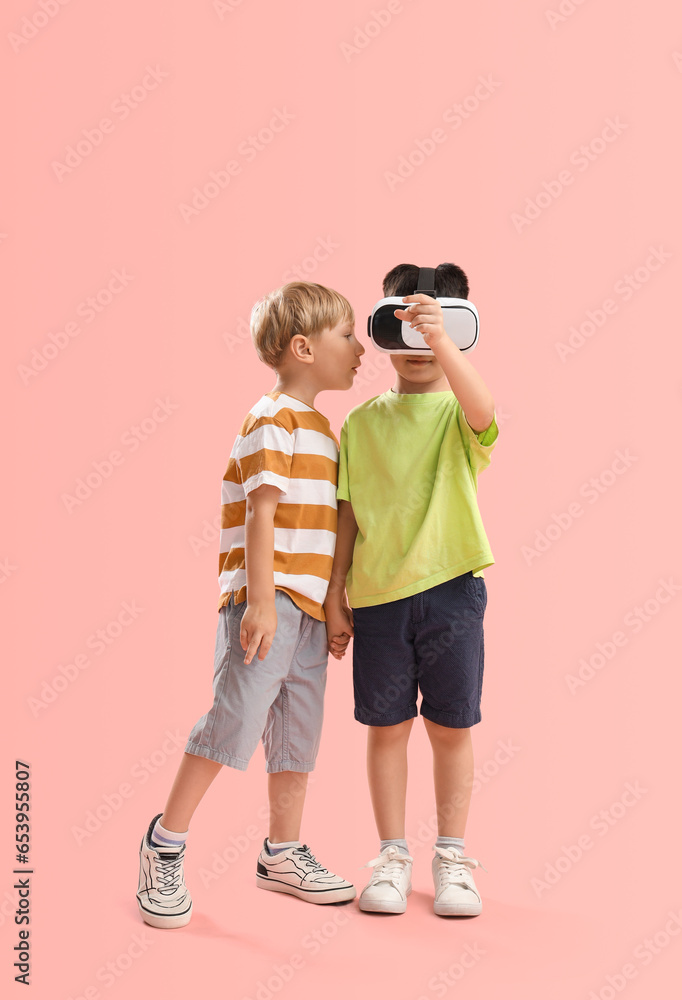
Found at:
<point>426,281</point>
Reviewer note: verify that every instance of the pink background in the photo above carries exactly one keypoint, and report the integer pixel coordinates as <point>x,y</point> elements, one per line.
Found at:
<point>175,331</point>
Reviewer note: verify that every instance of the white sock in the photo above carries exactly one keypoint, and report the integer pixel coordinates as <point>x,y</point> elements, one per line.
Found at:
<point>402,844</point>
<point>446,842</point>
<point>167,838</point>
<point>284,846</point>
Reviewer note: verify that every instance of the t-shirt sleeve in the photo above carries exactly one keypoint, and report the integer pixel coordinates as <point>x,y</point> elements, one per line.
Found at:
<point>342,489</point>
<point>264,455</point>
<point>479,446</point>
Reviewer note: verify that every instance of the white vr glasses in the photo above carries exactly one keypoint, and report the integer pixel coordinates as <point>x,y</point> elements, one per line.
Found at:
<point>394,336</point>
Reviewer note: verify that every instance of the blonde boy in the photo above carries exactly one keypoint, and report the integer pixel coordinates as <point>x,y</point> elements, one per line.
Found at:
<point>279,517</point>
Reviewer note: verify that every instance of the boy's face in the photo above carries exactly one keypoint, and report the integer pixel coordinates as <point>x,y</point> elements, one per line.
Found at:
<point>337,356</point>
<point>415,370</point>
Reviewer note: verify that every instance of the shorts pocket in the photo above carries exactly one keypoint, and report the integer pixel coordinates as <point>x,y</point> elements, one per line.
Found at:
<point>475,586</point>
<point>234,614</point>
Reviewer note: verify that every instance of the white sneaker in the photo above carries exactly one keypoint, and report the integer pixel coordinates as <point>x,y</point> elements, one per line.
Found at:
<point>456,892</point>
<point>390,884</point>
<point>162,895</point>
<point>298,872</point>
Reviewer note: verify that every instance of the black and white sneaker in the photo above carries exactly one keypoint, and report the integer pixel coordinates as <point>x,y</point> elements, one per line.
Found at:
<point>298,872</point>
<point>162,895</point>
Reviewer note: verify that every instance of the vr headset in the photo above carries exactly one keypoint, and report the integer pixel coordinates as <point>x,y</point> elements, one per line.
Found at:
<point>394,336</point>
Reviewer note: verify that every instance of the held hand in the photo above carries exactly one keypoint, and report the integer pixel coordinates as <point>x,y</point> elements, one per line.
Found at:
<point>337,645</point>
<point>258,627</point>
<point>339,628</point>
<point>425,316</point>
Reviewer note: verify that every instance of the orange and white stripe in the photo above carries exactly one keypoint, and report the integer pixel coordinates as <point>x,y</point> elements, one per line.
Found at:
<point>288,444</point>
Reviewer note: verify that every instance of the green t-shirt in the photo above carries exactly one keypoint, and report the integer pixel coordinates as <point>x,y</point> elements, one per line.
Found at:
<point>408,464</point>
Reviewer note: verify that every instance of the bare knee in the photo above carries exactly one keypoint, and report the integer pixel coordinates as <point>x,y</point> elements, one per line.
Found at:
<point>386,736</point>
<point>446,734</point>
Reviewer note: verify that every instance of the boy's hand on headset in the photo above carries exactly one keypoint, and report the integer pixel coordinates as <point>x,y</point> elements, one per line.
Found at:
<point>425,316</point>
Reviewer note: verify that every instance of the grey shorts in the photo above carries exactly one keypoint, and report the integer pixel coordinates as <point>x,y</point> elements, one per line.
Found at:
<point>278,700</point>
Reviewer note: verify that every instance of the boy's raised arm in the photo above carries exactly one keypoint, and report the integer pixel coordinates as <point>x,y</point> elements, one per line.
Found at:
<point>468,386</point>
<point>425,314</point>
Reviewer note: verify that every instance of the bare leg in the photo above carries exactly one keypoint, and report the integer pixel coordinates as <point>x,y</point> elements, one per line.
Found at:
<point>453,776</point>
<point>387,777</point>
<point>286,792</point>
<point>194,776</point>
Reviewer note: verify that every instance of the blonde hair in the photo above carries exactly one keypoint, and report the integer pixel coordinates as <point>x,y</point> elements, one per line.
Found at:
<point>299,307</point>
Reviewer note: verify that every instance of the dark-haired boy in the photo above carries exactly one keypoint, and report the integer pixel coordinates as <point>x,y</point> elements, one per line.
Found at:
<point>410,551</point>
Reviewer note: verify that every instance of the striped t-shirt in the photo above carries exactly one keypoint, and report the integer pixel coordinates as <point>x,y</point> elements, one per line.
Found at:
<point>288,444</point>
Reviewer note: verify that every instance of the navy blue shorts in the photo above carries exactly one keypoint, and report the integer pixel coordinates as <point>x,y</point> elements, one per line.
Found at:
<point>430,642</point>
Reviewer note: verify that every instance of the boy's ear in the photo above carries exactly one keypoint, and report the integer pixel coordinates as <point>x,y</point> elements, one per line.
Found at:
<point>300,348</point>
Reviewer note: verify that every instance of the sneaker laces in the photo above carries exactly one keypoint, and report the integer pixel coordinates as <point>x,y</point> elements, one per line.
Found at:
<point>168,872</point>
<point>389,866</point>
<point>454,867</point>
<point>310,860</point>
